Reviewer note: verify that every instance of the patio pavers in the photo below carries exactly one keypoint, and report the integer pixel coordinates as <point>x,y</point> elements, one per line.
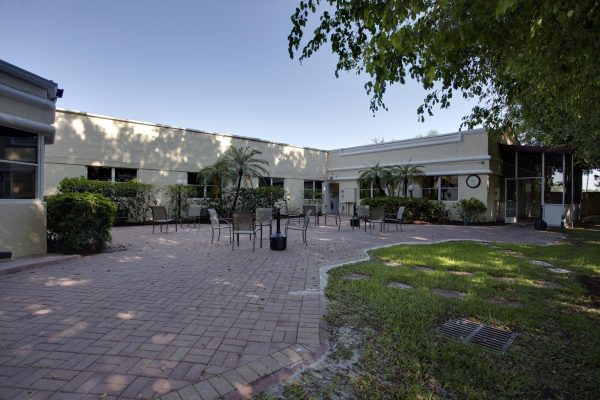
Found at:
<point>174,316</point>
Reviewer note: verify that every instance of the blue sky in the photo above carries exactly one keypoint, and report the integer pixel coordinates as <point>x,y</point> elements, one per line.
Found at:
<point>219,66</point>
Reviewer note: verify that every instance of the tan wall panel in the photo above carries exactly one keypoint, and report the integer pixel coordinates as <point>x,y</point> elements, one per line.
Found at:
<point>93,140</point>
<point>23,228</point>
<point>54,173</point>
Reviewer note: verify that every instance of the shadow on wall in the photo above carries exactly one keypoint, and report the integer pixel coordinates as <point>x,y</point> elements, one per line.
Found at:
<point>89,140</point>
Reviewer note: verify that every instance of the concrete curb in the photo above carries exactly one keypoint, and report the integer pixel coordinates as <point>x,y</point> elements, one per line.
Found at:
<point>24,264</point>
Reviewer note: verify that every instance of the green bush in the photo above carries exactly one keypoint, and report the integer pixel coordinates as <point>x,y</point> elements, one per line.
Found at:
<point>416,208</point>
<point>262,197</point>
<point>131,198</point>
<point>469,209</point>
<point>79,222</point>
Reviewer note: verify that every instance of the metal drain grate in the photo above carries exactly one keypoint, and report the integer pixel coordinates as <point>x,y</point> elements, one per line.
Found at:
<point>470,332</point>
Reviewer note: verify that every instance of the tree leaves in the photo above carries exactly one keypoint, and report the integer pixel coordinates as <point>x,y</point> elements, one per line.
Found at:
<point>534,66</point>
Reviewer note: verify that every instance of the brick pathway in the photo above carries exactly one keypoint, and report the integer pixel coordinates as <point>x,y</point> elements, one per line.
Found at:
<point>175,317</point>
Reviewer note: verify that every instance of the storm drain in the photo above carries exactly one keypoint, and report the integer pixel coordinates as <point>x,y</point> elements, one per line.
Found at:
<point>482,335</point>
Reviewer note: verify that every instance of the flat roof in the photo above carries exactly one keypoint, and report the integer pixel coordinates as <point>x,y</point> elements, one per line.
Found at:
<point>30,77</point>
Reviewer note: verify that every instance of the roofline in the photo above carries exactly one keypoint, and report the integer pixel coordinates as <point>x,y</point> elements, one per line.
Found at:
<point>63,110</point>
<point>30,77</point>
<point>412,142</point>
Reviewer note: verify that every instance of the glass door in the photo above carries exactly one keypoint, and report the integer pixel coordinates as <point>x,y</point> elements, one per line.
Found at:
<point>510,201</point>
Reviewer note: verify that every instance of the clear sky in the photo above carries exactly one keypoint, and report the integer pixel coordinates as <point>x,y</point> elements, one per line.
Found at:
<point>219,66</point>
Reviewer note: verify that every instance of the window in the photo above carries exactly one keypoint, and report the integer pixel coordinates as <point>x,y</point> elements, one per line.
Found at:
<point>277,182</point>
<point>18,164</point>
<point>366,191</point>
<point>449,188</point>
<point>313,190</point>
<point>195,188</point>
<point>99,173</point>
<point>430,188</point>
<point>440,188</point>
<point>111,174</point>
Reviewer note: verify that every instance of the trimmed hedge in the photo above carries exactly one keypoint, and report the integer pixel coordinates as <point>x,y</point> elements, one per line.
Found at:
<point>79,222</point>
<point>131,198</point>
<point>416,208</point>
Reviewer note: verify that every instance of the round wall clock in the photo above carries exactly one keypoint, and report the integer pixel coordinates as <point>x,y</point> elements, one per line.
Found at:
<point>473,181</point>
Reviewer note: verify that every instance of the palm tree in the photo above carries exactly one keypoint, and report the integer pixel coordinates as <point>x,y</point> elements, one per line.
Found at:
<point>216,175</point>
<point>373,175</point>
<point>406,172</point>
<point>243,162</point>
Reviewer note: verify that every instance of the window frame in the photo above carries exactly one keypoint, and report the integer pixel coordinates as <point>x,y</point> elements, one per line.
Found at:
<point>113,173</point>
<point>38,176</point>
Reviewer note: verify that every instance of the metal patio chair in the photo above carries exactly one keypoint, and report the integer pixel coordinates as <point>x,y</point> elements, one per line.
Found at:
<point>159,216</point>
<point>264,217</point>
<point>364,213</point>
<point>397,219</point>
<point>243,225</point>
<point>303,227</point>
<point>377,217</point>
<point>218,224</point>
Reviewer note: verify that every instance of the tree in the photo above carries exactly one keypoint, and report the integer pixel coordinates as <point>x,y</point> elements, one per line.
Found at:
<point>216,175</point>
<point>373,176</point>
<point>242,161</point>
<point>533,65</point>
<point>406,172</point>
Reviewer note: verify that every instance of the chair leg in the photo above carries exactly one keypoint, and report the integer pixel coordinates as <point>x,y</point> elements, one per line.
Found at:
<point>254,241</point>
<point>260,237</point>
<point>153,225</point>
<point>213,236</point>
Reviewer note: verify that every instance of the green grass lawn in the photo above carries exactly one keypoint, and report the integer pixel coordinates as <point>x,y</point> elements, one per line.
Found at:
<point>557,352</point>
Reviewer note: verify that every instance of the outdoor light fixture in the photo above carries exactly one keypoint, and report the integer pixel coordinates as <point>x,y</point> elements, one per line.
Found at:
<point>411,188</point>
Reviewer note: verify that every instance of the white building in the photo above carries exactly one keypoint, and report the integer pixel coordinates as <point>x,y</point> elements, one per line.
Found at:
<point>27,106</point>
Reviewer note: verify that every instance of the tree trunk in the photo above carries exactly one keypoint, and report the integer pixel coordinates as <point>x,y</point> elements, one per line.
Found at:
<point>405,187</point>
<point>237,189</point>
<point>380,191</point>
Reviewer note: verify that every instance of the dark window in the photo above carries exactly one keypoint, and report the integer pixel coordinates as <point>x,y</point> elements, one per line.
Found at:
<point>125,174</point>
<point>192,178</point>
<point>366,191</point>
<point>430,188</point>
<point>449,188</point>
<point>18,164</point>
<point>99,173</point>
<point>106,174</point>
<point>278,182</point>
<point>17,181</point>
<point>313,190</point>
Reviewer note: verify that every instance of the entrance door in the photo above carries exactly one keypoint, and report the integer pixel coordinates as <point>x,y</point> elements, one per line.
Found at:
<point>334,189</point>
<point>522,199</point>
<point>510,201</point>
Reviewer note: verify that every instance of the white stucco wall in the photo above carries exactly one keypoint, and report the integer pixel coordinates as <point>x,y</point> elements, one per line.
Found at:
<point>26,105</point>
<point>163,154</point>
<point>460,154</point>
<point>23,227</point>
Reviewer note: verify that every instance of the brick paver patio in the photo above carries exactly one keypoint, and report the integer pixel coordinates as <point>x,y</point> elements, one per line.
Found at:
<point>174,317</point>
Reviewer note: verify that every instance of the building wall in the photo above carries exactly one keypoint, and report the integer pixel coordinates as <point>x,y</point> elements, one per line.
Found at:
<point>460,154</point>
<point>26,105</point>
<point>164,154</point>
<point>23,227</point>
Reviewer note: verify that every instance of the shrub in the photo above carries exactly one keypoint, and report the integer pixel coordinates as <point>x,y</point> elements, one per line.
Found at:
<point>131,198</point>
<point>469,209</point>
<point>416,208</point>
<point>79,222</point>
